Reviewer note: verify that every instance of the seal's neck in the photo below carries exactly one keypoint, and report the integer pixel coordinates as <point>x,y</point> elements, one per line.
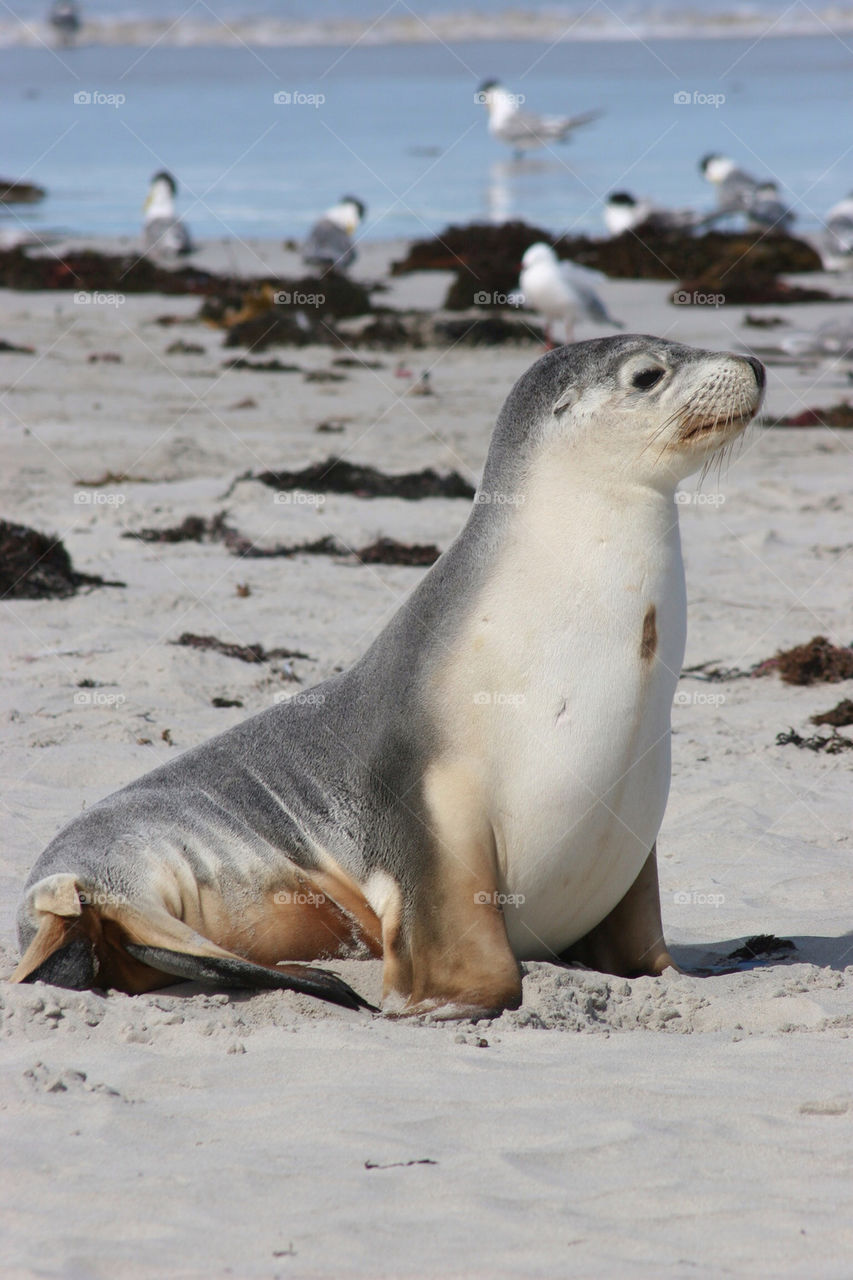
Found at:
<point>569,518</point>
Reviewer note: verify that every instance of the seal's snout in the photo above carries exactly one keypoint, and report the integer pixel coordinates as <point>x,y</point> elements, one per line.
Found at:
<point>759,371</point>
<point>725,400</point>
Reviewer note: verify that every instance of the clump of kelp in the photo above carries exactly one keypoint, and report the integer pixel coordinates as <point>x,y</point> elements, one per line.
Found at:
<point>383,550</point>
<point>336,475</point>
<point>839,416</point>
<point>37,566</point>
<point>743,267</point>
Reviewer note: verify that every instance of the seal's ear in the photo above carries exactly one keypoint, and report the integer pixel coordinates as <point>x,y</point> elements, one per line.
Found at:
<point>568,397</point>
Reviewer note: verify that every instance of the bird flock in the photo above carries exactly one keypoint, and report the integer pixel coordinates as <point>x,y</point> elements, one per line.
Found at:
<point>563,292</point>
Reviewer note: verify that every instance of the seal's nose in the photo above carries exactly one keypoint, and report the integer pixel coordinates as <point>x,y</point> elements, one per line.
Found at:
<point>758,370</point>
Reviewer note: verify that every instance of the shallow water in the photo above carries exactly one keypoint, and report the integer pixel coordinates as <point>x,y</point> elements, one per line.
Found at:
<point>397,124</point>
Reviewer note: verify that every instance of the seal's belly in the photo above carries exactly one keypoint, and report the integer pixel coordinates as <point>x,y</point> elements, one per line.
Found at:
<point>567,861</point>
<point>580,790</point>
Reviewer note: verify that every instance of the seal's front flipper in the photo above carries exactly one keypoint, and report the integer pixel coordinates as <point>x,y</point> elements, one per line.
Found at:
<point>71,966</point>
<point>628,942</point>
<point>222,971</point>
<point>446,951</point>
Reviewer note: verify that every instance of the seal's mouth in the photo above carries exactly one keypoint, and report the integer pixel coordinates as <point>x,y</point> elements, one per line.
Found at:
<point>728,424</point>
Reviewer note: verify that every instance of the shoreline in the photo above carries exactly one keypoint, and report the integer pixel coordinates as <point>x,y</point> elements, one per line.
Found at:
<point>438,28</point>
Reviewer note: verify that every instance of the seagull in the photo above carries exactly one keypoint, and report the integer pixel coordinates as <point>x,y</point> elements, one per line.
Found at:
<point>836,244</point>
<point>624,212</point>
<point>329,243</point>
<point>561,291</point>
<point>522,130</point>
<point>163,232</point>
<point>735,189</point>
<point>767,210</point>
<point>739,192</point>
<point>833,340</point>
<point>64,17</point>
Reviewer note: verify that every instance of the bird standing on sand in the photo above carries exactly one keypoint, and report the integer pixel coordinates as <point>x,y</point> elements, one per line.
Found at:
<point>624,212</point>
<point>561,292</point>
<point>767,210</point>
<point>836,244</point>
<point>163,233</point>
<point>522,130</point>
<point>735,189</point>
<point>329,245</point>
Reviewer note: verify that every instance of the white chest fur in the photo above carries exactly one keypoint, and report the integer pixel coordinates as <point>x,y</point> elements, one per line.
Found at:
<point>560,694</point>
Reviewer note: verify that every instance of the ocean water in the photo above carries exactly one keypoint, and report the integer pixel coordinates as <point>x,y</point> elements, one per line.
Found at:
<point>393,118</point>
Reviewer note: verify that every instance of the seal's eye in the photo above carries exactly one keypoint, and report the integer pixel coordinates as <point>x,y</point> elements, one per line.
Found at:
<point>646,378</point>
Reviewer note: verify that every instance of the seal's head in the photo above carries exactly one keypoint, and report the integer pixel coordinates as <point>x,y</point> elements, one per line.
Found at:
<point>633,406</point>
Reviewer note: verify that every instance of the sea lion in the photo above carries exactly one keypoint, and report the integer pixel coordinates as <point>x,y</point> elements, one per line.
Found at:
<point>486,784</point>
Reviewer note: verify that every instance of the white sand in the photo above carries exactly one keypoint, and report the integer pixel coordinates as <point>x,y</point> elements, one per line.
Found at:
<point>685,1126</point>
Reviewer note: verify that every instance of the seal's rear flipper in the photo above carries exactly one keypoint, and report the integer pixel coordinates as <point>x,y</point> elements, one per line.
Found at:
<point>134,948</point>
<point>223,971</point>
<point>71,966</point>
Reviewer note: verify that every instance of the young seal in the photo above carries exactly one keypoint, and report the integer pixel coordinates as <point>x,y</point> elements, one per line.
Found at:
<point>486,784</point>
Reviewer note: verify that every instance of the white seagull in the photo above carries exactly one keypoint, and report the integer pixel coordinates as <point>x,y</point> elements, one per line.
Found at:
<point>329,245</point>
<point>163,233</point>
<point>561,291</point>
<point>522,130</point>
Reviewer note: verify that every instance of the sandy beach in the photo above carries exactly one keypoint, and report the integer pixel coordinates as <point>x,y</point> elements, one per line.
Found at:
<point>692,1125</point>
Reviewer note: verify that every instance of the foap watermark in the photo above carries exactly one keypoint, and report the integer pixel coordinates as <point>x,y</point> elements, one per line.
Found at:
<point>82,298</point>
<point>495,899</point>
<point>284,298</point>
<point>493,498</point>
<point>298,498</point>
<point>101,898</point>
<point>693,898</point>
<point>496,698</point>
<point>98,698</point>
<point>481,98</point>
<point>483,298</point>
<point>698,699</point>
<point>309,699</point>
<point>90,498</point>
<point>94,98</point>
<point>686,298</point>
<point>696,499</point>
<point>696,98</point>
<point>298,898</point>
<point>296,98</point>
